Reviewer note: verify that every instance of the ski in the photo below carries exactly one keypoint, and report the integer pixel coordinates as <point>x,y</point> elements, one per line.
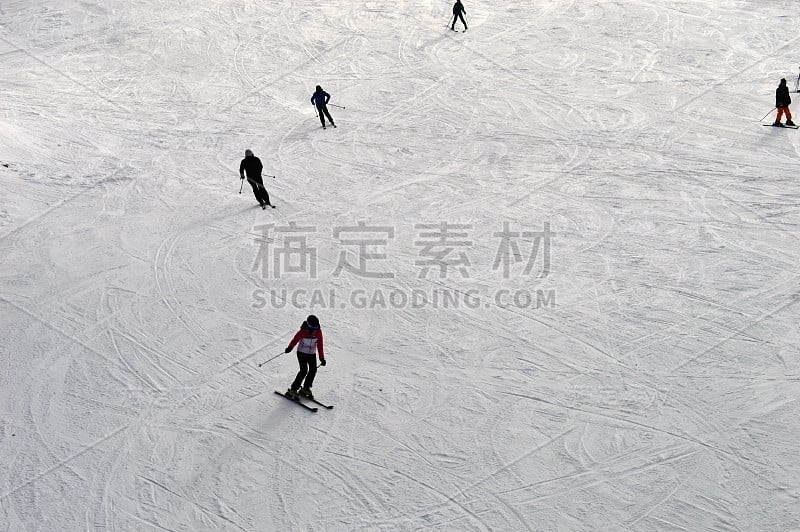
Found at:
<point>781,127</point>
<point>312,408</point>
<point>323,405</point>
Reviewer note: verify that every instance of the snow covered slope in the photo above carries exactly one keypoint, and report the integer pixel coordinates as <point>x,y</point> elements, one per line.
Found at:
<point>554,257</point>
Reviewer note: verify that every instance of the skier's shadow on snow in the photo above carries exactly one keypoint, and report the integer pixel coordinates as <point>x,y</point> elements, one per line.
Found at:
<point>447,34</point>
<point>245,210</point>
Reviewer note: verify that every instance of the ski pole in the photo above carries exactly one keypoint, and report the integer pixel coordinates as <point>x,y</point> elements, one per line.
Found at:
<point>766,115</point>
<point>256,183</point>
<point>271,359</point>
<point>241,187</point>
<point>339,106</point>
<point>272,176</point>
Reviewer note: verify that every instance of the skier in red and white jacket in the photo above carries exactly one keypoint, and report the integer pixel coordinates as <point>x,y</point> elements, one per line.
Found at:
<point>309,342</point>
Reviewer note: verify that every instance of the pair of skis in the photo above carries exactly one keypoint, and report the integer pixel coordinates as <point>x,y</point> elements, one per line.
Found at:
<point>782,126</point>
<point>301,403</point>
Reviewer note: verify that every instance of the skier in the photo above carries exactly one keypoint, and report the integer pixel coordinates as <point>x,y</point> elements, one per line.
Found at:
<point>309,338</point>
<point>252,165</point>
<point>782,101</point>
<point>320,98</point>
<point>458,13</point>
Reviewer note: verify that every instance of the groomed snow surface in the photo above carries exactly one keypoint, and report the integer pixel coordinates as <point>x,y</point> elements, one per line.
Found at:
<point>562,254</point>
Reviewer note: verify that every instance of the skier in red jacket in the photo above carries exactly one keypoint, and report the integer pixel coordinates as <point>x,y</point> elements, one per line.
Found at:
<point>309,341</point>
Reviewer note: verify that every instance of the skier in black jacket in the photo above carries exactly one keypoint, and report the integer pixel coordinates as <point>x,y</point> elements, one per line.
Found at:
<point>782,101</point>
<point>252,165</point>
<point>458,13</point>
<point>320,99</point>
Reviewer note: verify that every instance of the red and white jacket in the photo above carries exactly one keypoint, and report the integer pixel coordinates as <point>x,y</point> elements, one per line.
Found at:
<point>308,342</point>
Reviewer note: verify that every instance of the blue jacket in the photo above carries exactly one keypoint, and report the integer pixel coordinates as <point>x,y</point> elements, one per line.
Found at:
<point>320,98</point>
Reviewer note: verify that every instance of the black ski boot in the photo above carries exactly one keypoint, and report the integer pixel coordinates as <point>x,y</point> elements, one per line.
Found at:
<point>306,392</point>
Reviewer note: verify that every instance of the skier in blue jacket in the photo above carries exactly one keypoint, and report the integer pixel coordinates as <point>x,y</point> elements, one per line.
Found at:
<point>320,98</point>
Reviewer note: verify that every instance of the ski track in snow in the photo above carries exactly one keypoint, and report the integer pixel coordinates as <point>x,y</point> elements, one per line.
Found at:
<point>659,393</point>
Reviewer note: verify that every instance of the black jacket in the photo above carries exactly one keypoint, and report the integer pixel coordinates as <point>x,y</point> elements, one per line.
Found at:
<point>253,167</point>
<point>320,98</point>
<point>782,98</point>
<point>458,8</point>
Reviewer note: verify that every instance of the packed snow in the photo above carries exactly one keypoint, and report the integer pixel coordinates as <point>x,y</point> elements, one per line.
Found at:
<point>554,257</point>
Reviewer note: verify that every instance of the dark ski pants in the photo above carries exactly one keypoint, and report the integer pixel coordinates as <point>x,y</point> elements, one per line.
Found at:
<point>260,192</point>
<point>455,18</point>
<point>323,112</point>
<point>308,370</point>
